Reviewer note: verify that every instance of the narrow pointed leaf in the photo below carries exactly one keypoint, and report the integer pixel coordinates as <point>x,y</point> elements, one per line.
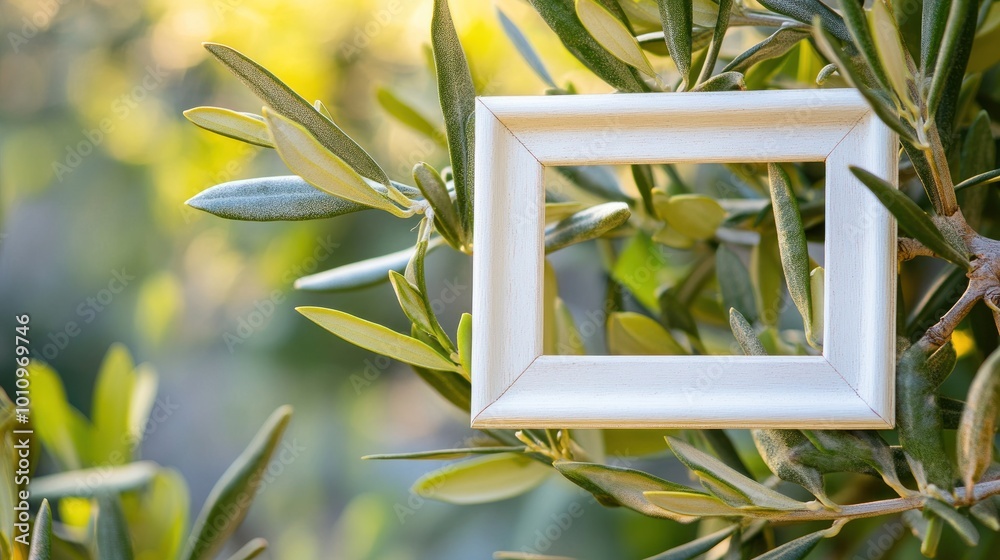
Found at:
<point>918,420</point>
<point>112,540</point>
<point>745,334</point>
<point>41,538</point>
<point>857,24</point>
<point>612,34</point>
<point>981,179</point>
<point>960,523</point>
<point>620,486</point>
<point>282,99</point>
<point>406,114</point>
<point>696,547</point>
<point>436,193</point>
<point>595,179</point>
<point>483,479</point>
<point>979,422</point>
<point>560,15</point>
<point>267,199</point>
<point>781,451</point>
<point>890,49</point>
<point>444,454</point>
<point>777,44</point>
<point>695,505</point>
<point>734,283</point>
<point>250,550</point>
<point>244,127</point>
<point>411,302</point>
<point>524,48</point>
<point>309,159</point>
<point>230,499</point>
<point>643,177</point>
<point>378,339</point>
<point>586,225</point>
<point>796,549</point>
<point>805,10</point>
<point>958,12</point>
<point>911,218</point>
<point>719,34</point>
<point>676,17</point>
<point>633,334</point>
<point>791,243</point>
<point>81,483</point>
<point>356,275</point>
<point>458,103</point>
<point>726,81</point>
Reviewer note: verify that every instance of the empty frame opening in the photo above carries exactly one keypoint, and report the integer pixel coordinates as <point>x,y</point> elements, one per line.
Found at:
<point>701,239</point>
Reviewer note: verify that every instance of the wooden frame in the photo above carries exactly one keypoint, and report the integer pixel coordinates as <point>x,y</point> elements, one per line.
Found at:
<point>515,386</point>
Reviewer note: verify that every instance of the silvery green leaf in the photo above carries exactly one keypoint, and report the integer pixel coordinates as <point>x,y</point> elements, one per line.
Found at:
<point>644,182</point>
<point>911,218</point>
<point>890,49</point>
<point>558,211</point>
<point>696,547</point>
<point>777,44</point>
<point>726,81</point>
<point>817,294</point>
<point>444,454</point>
<point>458,103</point>
<point>620,486</point>
<point>857,24</point>
<point>585,225</point>
<point>780,450</point>
<point>41,538</point>
<point>805,10</point>
<point>792,244</point>
<point>734,283</point>
<point>266,199</point>
<point>87,483</point>
<point>112,540</point>
<point>483,479</point>
<point>719,34</point>
<point>745,334</point>
<point>244,127</point>
<point>633,334</point>
<point>796,549</point>
<point>700,505</point>
<point>677,19</point>
<point>958,12</point>
<point>291,105</point>
<point>524,48</point>
<point>960,523</point>
<point>768,281</point>
<point>227,504</point>
<point>981,179</point>
<point>612,34</point>
<point>435,191</point>
<point>987,512</point>
<point>978,426</point>
<point>357,274</point>
<point>411,302</point>
<point>378,339</point>
<point>918,420</point>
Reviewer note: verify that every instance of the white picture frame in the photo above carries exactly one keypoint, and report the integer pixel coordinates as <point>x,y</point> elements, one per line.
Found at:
<point>851,385</point>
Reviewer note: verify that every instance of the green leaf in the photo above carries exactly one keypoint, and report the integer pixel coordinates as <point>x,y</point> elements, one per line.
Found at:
<point>245,127</point>
<point>585,225</point>
<point>291,105</point>
<point>726,81</point>
<point>796,549</point>
<point>377,338</point>
<point>633,334</point>
<point>777,44</point>
<point>918,419</point>
<point>111,442</point>
<point>620,486</point>
<point>558,211</point>
<point>166,506</point>
<point>694,505</point>
<point>568,340</point>
<point>411,302</point>
<point>696,547</point>
<point>781,451</point>
<point>958,11</point>
<point>745,334</point>
<point>979,422</point>
<point>435,191</point>
<point>309,159</point>
<point>483,479</point>
<point>768,281</point>
<point>266,199</point>
<point>694,215</point>
<point>87,483</point>
<point>560,15</point>
<point>857,24</point>
<point>63,431</point>
<point>251,550</point>
<point>792,244</point>
<point>643,177</point>
<point>960,523</point>
<point>987,512</point>
<point>933,19</point>
<point>452,385</point>
<point>858,446</point>
<point>805,10</point>
<point>524,48</point>
<point>41,538</point>
<point>612,34</point>
<point>230,499</point>
<point>112,540</point>
<point>734,283</point>
<point>464,339</point>
<point>445,454</point>
<point>817,294</point>
<point>458,103</point>
<point>595,179</point>
<point>718,35</point>
<point>892,54</point>
<point>911,218</point>
<point>358,274</point>
<point>981,179</point>
<point>712,470</point>
<point>406,114</point>
<point>676,17</point>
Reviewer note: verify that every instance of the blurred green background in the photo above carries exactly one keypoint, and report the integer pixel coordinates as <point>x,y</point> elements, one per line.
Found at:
<point>96,162</point>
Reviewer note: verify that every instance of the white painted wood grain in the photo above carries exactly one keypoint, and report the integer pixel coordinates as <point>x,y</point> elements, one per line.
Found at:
<point>850,386</point>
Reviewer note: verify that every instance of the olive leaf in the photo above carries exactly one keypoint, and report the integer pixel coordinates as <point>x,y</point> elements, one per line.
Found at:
<point>41,538</point>
<point>251,550</point>
<point>458,103</point>
<point>745,334</point>
<point>483,479</point>
<point>781,451</point>
<point>558,211</point>
<point>718,35</point>
<point>595,179</point>
<point>697,547</point>
<point>960,523</point>
<point>411,302</point>
<point>612,34</point>
<point>697,505</point>
<point>291,105</point>
<point>726,81</point>
<point>357,274</point>
<point>81,483</point>
<point>768,280</point>
<point>245,127</point>
<point>734,283</point>
<point>697,216</point>
<point>792,244</point>
<point>228,502</point>
<point>378,339</point>
<point>805,10</point>
<point>444,454</point>
<point>406,114</point>
<point>858,26</point>
<point>677,18</point>
<point>633,334</point>
<point>620,486</point>
<point>889,46</point>
<point>958,12</point>
<point>915,221</point>
<point>796,549</point>
<point>464,340</point>
<point>585,225</point>
<point>435,191</point>
<point>979,422</point>
<point>524,48</point>
<point>777,44</point>
<point>112,540</point>
<point>981,179</point>
<point>918,420</point>
<point>266,199</point>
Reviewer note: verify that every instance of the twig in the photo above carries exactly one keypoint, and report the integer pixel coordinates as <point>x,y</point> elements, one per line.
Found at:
<point>909,248</point>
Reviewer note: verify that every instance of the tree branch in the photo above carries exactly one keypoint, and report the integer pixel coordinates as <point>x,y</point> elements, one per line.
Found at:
<point>909,248</point>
